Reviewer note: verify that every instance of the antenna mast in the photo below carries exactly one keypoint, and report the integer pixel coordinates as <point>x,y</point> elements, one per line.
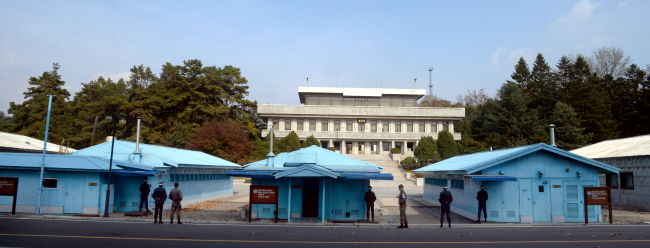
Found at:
<point>56,67</point>
<point>430,82</point>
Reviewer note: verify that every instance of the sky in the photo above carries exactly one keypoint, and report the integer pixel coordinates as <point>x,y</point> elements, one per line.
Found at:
<point>470,45</point>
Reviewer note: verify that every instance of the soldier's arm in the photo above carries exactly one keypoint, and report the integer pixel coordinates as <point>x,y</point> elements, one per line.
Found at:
<point>180,195</point>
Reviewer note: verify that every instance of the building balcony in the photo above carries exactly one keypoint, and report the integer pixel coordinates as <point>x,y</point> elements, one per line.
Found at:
<point>325,111</point>
<point>362,136</point>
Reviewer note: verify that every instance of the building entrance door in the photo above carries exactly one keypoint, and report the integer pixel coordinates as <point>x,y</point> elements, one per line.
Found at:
<point>310,197</point>
<point>541,201</point>
<point>362,147</point>
<point>510,202</point>
<point>74,194</point>
<point>574,198</point>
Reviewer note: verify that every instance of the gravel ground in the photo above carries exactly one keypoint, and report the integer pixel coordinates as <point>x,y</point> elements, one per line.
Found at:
<point>626,216</point>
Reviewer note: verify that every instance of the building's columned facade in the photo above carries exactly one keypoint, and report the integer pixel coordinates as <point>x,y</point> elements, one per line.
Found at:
<point>361,121</point>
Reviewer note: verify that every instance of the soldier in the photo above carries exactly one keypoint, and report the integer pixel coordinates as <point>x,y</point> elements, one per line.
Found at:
<point>482,197</point>
<point>144,195</point>
<point>176,196</point>
<point>445,199</point>
<point>159,195</point>
<point>402,208</point>
<point>370,203</point>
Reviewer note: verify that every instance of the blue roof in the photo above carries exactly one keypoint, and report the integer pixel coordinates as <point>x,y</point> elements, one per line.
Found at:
<point>63,162</point>
<point>307,170</point>
<point>468,164</point>
<point>317,156</point>
<point>156,155</point>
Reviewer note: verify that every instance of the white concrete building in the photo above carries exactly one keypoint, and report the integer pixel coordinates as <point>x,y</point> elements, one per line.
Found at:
<point>361,120</point>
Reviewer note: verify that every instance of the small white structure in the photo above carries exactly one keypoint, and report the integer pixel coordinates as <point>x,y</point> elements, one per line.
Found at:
<point>11,142</point>
<point>630,189</point>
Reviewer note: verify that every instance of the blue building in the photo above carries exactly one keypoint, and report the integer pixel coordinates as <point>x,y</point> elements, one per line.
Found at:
<point>71,184</point>
<point>313,183</point>
<point>535,183</point>
<point>201,176</point>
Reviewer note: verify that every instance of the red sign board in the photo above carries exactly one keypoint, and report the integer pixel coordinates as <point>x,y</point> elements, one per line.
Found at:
<point>8,186</point>
<point>597,196</point>
<point>264,195</point>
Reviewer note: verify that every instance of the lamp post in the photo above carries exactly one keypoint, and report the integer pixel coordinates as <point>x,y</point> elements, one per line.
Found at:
<point>122,121</point>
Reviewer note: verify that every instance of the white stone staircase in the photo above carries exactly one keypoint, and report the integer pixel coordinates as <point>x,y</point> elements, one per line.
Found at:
<point>390,167</point>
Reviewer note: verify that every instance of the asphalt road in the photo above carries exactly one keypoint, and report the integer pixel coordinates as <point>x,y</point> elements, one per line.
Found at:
<point>42,232</point>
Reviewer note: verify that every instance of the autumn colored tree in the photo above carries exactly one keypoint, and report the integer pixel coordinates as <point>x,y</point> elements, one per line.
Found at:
<point>225,139</point>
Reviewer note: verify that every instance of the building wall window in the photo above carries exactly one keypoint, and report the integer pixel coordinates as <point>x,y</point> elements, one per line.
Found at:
<point>398,126</point>
<point>348,125</point>
<point>627,180</point>
<point>50,183</point>
<point>437,182</point>
<point>421,126</point>
<point>373,126</point>
<point>386,146</point>
<point>312,125</point>
<point>325,100</point>
<point>311,100</point>
<point>611,180</point>
<point>409,126</point>
<point>458,184</point>
<point>385,102</point>
<point>348,101</point>
<point>398,102</point>
<point>276,124</point>
<point>385,127</point>
<point>373,102</point>
<point>361,127</point>
<point>337,101</point>
<point>337,125</point>
<point>434,127</point>
<point>324,125</point>
<point>301,125</point>
<point>287,124</point>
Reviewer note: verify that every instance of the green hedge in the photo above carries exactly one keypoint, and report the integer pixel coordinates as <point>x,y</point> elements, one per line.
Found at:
<point>396,150</point>
<point>331,149</point>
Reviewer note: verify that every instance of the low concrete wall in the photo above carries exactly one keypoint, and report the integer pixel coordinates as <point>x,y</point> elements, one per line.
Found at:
<point>395,157</point>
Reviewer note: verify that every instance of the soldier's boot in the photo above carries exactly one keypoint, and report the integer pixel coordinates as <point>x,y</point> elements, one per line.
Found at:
<point>171,221</point>
<point>155,221</point>
<point>449,224</point>
<point>179,221</point>
<point>406,225</point>
<point>440,224</point>
<point>401,226</point>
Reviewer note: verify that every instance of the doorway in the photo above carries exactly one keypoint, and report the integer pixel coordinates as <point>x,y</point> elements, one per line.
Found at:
<point>310,197</point>
<point>541,201</point>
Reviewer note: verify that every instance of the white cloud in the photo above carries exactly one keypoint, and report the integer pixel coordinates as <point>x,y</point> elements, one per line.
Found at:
<point>114,77</point>
<point>495,57</point>
<point>527,53</point>
<point>623,3</point>
<point>581,12</point>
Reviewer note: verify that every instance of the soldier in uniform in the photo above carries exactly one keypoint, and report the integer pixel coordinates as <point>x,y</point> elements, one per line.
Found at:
<point>159,195</point>
<point>482,197</point>
<point>144,195</point>
<point>402,208</point>
<point>445,199</point>
<point>176,196</point>
<point>370,199</point>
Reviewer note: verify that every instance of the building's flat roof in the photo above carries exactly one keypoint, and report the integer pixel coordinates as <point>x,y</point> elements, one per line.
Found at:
<point>19,141</point>
<point>627,147</point>
<point>359,92</point>
<point>64,162</point>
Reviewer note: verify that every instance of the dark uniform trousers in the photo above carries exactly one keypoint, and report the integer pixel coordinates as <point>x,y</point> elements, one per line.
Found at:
<point>144,200</point>
<point>481,206</point>
<point>444,209</point>
<point>158,211</point>
<point>370,209</point>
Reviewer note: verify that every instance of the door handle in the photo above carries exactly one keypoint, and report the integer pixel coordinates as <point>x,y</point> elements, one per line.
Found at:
<point>534,202</point>
<point>504,202</point>
<point>66,193</point>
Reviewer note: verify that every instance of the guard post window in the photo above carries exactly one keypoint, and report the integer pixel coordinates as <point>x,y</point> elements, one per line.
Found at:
<point>324,125</point>
<point>421,126</point>
<point>398,126</point>
<point>287,124</point>
<point>348,125</point>
<point>276,125</point>
<point>627,180</point>
<point>50,183</point>
<point>337,125</point>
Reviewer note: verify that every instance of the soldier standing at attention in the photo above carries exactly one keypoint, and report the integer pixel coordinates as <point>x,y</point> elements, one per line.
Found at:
<point>445,199</point>
<point>144,196</point>
<point>482,197</point>
<point>176,196</point>
<point>159,195</point>
<point>370,199</point>
<point>402,208</point>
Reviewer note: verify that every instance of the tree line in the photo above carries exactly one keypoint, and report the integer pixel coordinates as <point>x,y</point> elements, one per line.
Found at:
<point>588,99</point>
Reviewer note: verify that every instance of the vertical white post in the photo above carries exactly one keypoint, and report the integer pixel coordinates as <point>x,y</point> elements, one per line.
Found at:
<point>289,208</point>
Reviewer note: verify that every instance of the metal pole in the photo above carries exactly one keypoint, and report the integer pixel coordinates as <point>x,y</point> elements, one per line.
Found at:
<point>92,141</point>
<point>289,208</point>
<point>40,184</point>
<point>323,205</point>
<point>110,167</point>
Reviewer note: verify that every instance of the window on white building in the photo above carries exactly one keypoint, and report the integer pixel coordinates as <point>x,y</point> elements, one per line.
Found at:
<point>324,125</point>
<point>337,125</point>
<point>348,125</point>
<point>398,126</point>
<point>373,126</point>
<point>409,126</point>
<point>287,124</point>
<point>312,125</point>
<point>301,125</point>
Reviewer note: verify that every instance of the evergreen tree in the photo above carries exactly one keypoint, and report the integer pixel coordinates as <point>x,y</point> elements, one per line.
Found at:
<point>5,122</point>
<point>310,141</point>
<point>29,117</point>
<point>568,133</point>
<point>541,90</point>
<point>467,145</point>
<point>290,143</point>
<point>521,74</point>
<point>179,136</point>
<point>427,151</point>
<point>626,96</point>
<point>446,145</point>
